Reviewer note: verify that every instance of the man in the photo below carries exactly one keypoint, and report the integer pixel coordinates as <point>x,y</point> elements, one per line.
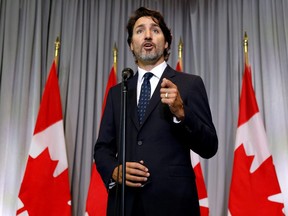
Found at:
<point>159,176</point>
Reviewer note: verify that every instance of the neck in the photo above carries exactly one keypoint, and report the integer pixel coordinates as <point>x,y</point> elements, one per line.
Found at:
<point>148,66</point>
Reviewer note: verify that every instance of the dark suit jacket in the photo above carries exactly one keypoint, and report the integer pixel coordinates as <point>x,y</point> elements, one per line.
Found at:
<point>162,144</point>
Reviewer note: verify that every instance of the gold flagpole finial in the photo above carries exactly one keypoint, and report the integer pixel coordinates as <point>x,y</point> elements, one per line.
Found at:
<point>180,48</point>
<point>180,51</point>
<point>57,47</point>
<point>115,56</point>
<point>245,44</point>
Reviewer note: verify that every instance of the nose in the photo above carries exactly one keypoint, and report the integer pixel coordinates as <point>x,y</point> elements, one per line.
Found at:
<point>148,34</point>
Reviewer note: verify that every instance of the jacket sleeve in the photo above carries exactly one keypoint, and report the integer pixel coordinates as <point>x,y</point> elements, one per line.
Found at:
<point>105,149</point>
<point>200,132</point>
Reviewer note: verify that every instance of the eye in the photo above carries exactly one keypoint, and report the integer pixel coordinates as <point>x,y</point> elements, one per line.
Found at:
<point>156,30</point>
<point>139,31</point>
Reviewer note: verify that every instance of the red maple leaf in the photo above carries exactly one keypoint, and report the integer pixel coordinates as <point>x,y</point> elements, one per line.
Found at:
<point>41,193</point>
<point>250,191</point>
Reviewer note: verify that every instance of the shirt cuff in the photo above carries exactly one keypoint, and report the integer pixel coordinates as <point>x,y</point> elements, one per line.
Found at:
<point>175,120</point>
<point>112,184</point>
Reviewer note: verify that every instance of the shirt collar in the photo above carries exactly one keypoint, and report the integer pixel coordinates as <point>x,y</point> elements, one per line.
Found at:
<point>157,71</point>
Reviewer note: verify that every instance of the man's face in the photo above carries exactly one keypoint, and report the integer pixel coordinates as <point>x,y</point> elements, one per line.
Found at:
<point>148,42</point>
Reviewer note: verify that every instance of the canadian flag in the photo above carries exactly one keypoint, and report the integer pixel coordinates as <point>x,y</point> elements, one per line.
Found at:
<point>254,188</point>
<point>45,186</point>
<point>200,183</point>
<point>96,203</point>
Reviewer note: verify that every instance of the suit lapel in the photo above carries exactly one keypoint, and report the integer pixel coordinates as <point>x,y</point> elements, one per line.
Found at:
<point>168,73</point>
<point>132,100</point>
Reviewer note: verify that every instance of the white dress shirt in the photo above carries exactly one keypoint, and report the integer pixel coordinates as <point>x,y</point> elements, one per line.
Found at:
<point>157,73</point>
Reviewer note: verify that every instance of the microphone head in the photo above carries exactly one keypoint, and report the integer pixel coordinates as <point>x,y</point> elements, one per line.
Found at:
<point>127,73</point>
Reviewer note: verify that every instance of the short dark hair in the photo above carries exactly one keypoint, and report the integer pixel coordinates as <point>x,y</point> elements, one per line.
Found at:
<point>157,18</point>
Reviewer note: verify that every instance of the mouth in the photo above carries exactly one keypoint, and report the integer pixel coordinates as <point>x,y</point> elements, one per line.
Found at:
<point>148,46</point>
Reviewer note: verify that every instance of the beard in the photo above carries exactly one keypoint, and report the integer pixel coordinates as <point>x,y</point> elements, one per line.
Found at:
<point>148,57</point>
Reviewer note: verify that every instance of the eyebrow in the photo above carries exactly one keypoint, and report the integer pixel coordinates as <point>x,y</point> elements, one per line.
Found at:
<point>142,25</point>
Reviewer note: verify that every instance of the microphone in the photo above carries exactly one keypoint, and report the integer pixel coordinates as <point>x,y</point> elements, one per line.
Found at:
<point>127,73</point>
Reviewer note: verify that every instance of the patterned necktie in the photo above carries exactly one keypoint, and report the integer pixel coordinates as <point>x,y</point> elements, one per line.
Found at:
<point>144,96</point>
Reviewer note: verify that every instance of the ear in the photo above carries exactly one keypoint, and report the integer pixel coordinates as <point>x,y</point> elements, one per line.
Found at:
<point>131,46</point>
<point>166,45</point>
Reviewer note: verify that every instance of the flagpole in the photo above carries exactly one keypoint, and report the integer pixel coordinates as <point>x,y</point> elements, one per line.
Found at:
<point>56,52</point>
<point>245,43</point>
<point>180,52</point>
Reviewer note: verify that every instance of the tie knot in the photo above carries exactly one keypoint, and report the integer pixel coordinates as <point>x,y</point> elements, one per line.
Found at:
<point>147,76</point>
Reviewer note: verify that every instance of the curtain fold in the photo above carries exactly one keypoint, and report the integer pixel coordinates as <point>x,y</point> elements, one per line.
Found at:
<point>212,33</point>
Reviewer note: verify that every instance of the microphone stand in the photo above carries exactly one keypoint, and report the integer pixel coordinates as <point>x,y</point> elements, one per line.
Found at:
<point>126,74</point>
